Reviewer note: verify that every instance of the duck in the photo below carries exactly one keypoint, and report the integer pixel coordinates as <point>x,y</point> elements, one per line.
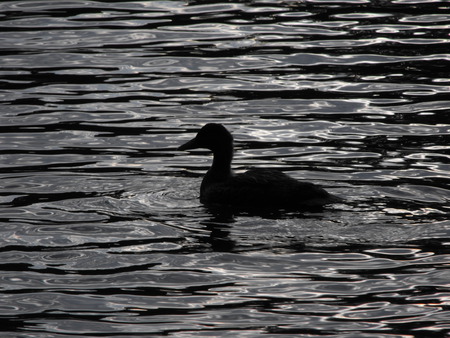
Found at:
<point>255,188</point>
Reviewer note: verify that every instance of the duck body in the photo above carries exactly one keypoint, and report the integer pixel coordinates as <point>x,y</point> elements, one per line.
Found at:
<point>256,188</point>
<point>263,188</point>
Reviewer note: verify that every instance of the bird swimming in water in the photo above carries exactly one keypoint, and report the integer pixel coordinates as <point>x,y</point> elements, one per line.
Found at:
<point>256,188</point>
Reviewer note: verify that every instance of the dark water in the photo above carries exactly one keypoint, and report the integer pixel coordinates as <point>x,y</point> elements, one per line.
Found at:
<point>102,233</point>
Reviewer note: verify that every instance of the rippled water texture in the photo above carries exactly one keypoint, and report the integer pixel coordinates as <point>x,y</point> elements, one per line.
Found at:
<point>101,230</point>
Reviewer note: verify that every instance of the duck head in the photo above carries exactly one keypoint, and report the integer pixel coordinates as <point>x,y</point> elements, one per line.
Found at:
<point>212,136</point>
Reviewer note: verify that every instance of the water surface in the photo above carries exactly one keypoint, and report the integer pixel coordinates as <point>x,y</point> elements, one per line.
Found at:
<point>101,229</point>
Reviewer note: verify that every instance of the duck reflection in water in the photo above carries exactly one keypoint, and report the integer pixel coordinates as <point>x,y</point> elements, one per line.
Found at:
<point>256,188</point>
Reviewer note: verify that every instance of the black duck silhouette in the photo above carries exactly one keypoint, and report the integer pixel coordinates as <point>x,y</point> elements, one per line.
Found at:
<point>256,188</point>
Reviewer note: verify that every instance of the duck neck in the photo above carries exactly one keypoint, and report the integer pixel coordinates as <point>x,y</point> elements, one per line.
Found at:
<point>221,166</point>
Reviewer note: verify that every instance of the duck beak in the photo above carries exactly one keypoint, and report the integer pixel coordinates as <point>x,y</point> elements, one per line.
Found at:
<point>192,144</point>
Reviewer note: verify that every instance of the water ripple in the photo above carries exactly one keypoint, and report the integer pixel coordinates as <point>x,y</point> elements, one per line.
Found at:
<point>102,232</point>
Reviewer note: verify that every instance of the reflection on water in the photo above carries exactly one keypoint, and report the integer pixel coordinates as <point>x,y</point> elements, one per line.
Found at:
<point>102,232</point>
